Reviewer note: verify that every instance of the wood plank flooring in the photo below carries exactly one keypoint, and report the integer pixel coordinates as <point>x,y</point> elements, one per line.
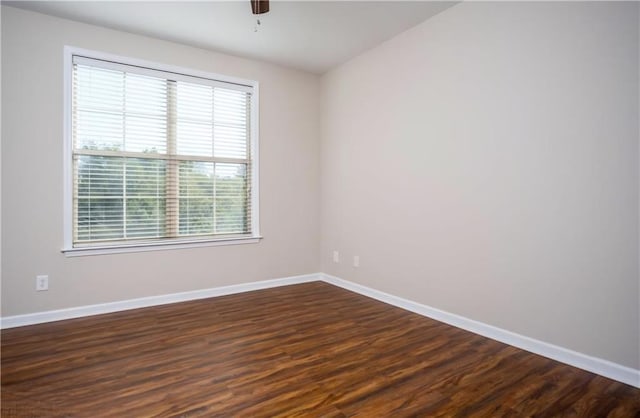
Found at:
<point>309,350</point>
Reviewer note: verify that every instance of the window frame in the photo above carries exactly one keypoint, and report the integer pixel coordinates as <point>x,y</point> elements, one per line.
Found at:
<point>164,244</point>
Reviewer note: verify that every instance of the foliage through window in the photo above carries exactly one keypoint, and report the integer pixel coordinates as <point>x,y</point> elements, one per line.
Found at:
<point>158,156</point>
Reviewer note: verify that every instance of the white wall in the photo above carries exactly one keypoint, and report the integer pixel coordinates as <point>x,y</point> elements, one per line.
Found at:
<point>32,232</point>
<point>485,162</point>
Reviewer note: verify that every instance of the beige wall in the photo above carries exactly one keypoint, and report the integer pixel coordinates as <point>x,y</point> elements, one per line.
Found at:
<point>32,232</point>
<point>485,162</point>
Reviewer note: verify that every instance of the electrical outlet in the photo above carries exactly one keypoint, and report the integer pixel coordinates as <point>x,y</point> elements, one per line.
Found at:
<point>356,261</point>
<point>42,283</point>
<point>336,256</point>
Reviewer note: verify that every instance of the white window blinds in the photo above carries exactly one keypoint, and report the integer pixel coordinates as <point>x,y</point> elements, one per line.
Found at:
<point>158,156</point>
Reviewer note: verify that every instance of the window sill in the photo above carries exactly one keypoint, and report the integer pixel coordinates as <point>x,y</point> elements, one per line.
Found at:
<point>143,247</point>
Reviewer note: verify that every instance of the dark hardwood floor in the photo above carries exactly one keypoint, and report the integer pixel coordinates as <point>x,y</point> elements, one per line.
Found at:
<point>306,350</point>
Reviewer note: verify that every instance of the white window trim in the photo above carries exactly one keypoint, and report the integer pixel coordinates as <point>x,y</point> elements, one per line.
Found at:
<point>68,249</point>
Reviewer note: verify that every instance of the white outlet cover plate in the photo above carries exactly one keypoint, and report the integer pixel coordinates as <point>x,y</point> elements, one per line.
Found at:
<point>42,282</point>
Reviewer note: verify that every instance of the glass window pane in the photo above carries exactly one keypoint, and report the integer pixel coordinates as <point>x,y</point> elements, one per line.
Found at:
<point>231,198</point>
<point>196,198</point>
<point>145,217</point>
<point>99,176</point>
<point>230,119</point>
<point>99,219</point>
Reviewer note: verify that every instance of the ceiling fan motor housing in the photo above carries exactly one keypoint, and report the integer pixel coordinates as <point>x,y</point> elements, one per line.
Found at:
<point>259,7</point>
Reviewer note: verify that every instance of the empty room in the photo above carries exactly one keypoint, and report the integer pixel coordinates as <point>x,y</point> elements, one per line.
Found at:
<point>320,209</point>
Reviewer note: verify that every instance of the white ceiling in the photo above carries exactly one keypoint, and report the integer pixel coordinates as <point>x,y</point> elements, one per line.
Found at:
<point>309,35</point>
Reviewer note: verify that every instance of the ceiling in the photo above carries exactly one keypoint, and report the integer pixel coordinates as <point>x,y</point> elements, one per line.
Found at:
<point>313,36</point>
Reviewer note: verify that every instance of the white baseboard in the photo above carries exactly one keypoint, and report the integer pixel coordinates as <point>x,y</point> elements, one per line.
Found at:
<point>102,308</point>
<point>592,364</point>
<point>573,358</point>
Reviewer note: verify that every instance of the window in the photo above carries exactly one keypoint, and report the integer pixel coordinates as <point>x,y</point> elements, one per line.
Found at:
<point>158,156</point>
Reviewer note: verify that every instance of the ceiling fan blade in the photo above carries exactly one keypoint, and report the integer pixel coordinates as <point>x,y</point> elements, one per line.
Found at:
<point>259,6</point>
